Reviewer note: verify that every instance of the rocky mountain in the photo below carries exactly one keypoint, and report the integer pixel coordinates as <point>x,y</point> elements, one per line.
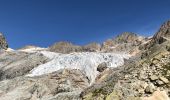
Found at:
<point>125,42</point>
<point>65,47</point>
<point>163,33</point>
<point>127,67</point>
<point>3,42</point>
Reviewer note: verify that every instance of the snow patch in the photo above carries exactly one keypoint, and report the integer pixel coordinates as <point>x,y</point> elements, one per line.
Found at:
<point>10,49</point>
<point>87,62</point>
<point>32,50</point>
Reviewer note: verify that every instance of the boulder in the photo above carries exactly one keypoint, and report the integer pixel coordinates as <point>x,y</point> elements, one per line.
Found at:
<point>159,82</point>
<point>153,77</point>
<point>101,67</point>
<point>165,80</point>
<point>150,88</point>
<point>157,95</point>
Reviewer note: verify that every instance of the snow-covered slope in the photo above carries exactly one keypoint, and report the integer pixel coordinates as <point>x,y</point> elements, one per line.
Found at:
<point>87,62</point>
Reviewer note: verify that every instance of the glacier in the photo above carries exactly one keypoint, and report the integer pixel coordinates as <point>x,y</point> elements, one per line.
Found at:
<point>87,62</point>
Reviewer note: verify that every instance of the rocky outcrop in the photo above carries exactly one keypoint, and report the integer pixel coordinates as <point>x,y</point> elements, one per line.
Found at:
<point>3,42</point>
<point>161,36</point>
<point>61,85</point>
<point>65,47</point>
<point>126,42</point>
<point>14,64</point>
<point>127,37</point>
<point>163,33</point>
<point>92,47</point>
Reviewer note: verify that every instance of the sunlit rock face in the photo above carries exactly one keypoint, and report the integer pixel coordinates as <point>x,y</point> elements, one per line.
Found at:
<point>163,33</point>
<point>65,47</point>
<point>3,42</point>
<point>125,42</point>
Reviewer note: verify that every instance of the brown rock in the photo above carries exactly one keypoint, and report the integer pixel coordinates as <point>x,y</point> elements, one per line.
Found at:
<point>165,80</point>
<point>157,95</point>
<point>153,77</point>
<point>65,47</point>
<point>92,47</point>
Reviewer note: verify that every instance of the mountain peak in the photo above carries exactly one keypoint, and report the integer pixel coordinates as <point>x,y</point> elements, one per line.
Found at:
<point>161,36</point>
<point>64,47</point>
<point>163,32</point>
<point>3,42</point>
<point>126,37</point>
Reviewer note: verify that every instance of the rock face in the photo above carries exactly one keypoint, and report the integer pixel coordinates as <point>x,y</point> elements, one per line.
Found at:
<point>124,42</point>
<point>3,42</point>
<point>65,47</point>
<point>61,85</point>
<point>92,47</point>
<point>14,64</point>
<point>163,33</point>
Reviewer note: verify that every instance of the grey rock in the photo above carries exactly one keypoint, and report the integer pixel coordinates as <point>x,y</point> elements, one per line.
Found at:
<point>101,67</point>
<point>150,88</point>
<point>13,64</point>
<point>159,82</point>
<point>60,85</point>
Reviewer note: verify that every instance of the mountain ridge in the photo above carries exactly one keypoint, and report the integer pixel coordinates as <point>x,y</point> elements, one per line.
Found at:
<point>127,67</point>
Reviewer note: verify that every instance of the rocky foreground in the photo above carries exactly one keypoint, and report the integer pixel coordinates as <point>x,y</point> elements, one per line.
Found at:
<point>128,67</point>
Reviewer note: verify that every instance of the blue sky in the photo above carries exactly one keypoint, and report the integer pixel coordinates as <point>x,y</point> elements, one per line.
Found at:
<point>44,22</point>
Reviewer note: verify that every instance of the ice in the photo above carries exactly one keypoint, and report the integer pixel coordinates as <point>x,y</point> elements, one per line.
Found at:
<point>87,62</point>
